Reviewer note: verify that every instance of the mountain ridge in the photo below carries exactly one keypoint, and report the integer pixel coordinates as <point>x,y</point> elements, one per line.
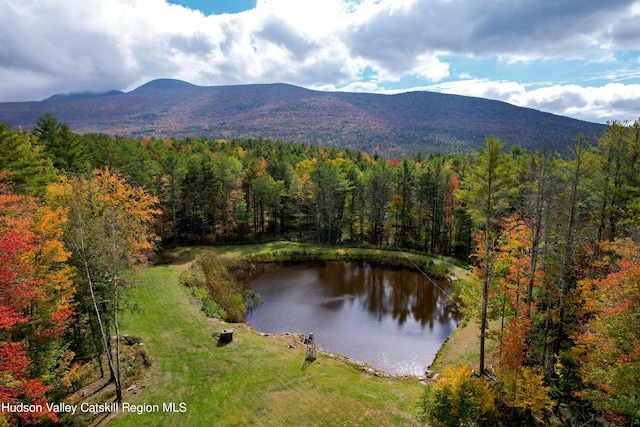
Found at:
<point>393,124</point>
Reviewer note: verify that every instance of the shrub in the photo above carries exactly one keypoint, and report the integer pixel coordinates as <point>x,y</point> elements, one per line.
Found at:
<point>457,399</point>
<point>211,281</point>
<point>211,309</point>
<point>233,304</point>
<point>193,277</point>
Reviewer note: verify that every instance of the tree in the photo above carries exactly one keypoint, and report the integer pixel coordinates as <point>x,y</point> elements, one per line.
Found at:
<point>108,233</point>
<point>47,129</point>
<point>23,160</point>
<point>609,345</point>
<point>576,170</point>
<point>266,195</point>
<point>617,178</point>
<point>67,150</point>
<point>103,151</point>
<point>228,172</point>
<point>303,194</point>
<point>329,185</point>
<point>171,162</point>
<point>379,192</point>
<point>199,187</point>
<point>513,267</point>
<point>403,200</point>
<point>433,188</point>
<point>35,303</point>
<point>485,191</point>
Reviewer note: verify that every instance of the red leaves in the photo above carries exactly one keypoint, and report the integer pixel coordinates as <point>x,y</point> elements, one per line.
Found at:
<point>35,297</point>
<point>609,345</point>
<point>16,387</point>
<point>514,343</point>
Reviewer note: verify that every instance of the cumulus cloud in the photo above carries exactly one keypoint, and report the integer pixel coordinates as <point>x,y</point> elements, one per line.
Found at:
<point>62,46</point>
<point>612,102</point>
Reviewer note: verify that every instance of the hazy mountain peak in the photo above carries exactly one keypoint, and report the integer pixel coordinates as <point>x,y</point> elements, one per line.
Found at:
<point>165,84</point>
<point>396,125</point>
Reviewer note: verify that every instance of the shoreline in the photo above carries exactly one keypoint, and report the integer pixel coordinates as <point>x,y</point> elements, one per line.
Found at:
<point>284,252</point>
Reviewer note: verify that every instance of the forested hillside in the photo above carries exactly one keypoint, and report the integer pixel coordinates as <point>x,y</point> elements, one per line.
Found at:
<point>553,240</point>
<point>393,125</point>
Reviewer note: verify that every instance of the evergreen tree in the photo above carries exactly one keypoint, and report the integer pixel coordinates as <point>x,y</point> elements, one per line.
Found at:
<point>379,192</point>
<point>23,160</point>
<point>485,192</point>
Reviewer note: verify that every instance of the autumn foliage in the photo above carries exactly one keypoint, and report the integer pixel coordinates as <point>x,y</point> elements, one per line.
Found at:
<point>609,344</point>
<point>552,240</point>
<point>35,302</point>
<point>458,398</point>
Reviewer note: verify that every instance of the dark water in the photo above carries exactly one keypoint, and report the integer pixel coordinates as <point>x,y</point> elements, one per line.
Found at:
<point>395,320</point>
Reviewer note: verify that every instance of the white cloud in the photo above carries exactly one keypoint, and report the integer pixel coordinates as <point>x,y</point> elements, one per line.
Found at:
<point>62,46</point>
<point>431,68</point>
<point>611,102</point>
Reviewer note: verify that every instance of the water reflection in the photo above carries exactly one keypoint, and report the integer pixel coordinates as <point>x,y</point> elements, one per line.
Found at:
<point>395,320</point>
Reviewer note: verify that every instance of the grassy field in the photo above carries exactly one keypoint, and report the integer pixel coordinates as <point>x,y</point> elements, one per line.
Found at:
<point>255,380</point>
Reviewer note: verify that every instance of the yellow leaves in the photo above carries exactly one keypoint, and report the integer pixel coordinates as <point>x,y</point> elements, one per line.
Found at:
<point>524,388</point>
<point>112,192</point>
<point>49,228</point>
<point>115,213</point>
<point>465,389</point>
<point>305,166</point>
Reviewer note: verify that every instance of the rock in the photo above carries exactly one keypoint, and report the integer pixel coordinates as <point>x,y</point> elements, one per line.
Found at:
<point>291,346</point>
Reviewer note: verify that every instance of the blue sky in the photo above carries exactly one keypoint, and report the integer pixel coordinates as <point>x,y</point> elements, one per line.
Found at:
<point>208,7</point>
<point>578,59</point>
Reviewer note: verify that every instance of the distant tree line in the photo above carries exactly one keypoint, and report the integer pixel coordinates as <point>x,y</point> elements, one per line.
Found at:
<point>224,191</point>
<point>553,241</point>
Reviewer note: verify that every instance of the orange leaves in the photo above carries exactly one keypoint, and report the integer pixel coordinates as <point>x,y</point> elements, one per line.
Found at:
<point>609,345</point>
<point>35,296</point>
<point>108,232</point>
<point>113,210</point>
<point>514,260</point>
<point>34,282</point>
<point>514,347</point>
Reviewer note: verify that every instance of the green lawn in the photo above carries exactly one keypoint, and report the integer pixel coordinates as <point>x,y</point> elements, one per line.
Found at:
<point>255,380</point>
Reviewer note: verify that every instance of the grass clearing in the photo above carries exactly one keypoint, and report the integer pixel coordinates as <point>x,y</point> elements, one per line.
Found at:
<point>254,380</point>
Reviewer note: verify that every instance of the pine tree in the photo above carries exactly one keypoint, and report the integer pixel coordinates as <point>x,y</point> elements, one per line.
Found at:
<point>485,192</point>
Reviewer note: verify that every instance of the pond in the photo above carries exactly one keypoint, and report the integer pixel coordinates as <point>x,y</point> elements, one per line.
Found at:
<point>393,319</point>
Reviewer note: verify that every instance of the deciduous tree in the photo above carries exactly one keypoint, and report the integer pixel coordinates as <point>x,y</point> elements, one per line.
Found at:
<point>35,303</point>
<point>609,345</point>
<point>108,233</point>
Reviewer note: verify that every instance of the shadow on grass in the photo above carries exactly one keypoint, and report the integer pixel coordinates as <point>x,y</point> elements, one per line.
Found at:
<point>307,363</point>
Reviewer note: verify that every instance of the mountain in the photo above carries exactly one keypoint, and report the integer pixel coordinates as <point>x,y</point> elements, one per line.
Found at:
<point>391,124</point>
